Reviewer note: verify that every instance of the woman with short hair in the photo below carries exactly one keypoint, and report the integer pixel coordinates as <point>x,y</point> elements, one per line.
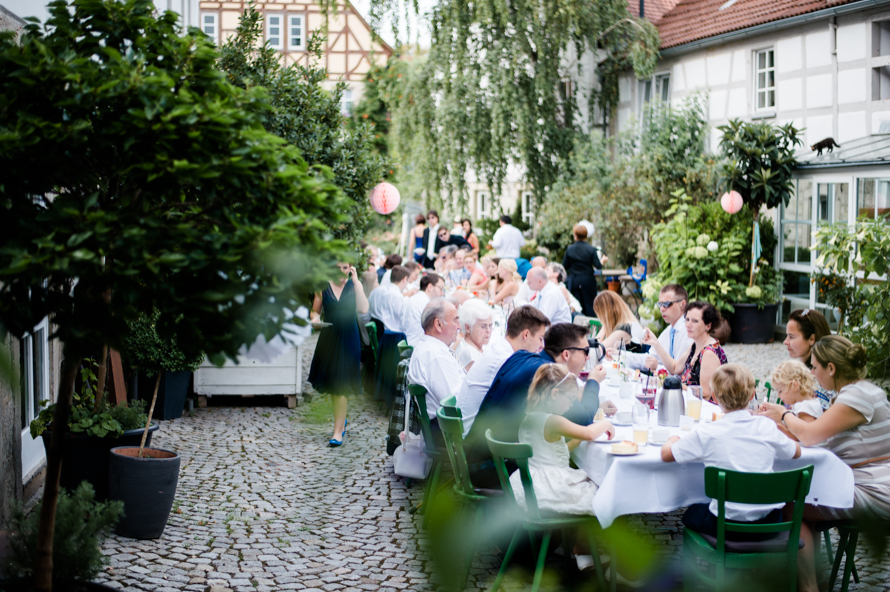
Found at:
<point>475,326</point>
<point>579,261</point>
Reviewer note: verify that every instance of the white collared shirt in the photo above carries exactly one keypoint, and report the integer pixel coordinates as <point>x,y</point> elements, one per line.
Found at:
<point>507,241</point>
<point>431,246</point>
<point>742,442</point>
<point>479,380</point>
<point>411,314</point>
<point>386,303</point>
<point>524,293</point>
<point>550,301</point>
<point>681,344</point>
<point>434,367</point>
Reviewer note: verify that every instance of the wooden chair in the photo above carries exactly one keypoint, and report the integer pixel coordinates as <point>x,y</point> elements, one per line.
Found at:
<point>534,522</point>
<point>469,498</point>
<point>849,536</point>
<point>418,393</point>
<point>747,488</point>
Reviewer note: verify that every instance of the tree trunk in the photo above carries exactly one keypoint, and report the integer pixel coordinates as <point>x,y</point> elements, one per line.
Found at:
<point>101,373</point>
<point>753,239</point>
<point>43,565</point>
<point>151,411</point>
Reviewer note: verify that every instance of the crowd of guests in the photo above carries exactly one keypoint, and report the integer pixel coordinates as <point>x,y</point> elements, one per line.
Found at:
<point>527,385</point>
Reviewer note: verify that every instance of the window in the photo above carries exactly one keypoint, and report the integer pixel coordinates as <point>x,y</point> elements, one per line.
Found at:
<point>273,31</point>
<point>797,224</point>
<point>528,208</point>
<point>346,103</point>
<point>34,370</point>
<point>483,204</point>
<point>873,198</point>
<point>296,34</point>
<point>209,25</point>
<point>658,89</point>
<point>833,200</point>
<point>765,79</point>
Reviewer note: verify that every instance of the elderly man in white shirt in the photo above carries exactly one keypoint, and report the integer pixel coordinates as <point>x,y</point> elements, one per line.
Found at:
<point>547,297</point>
<point>433,365</point>
<point>672,302</point>
<point>525,293</point>
<point>507,240</point>
<point>431,287</point>
<point>386,302</point>
<point>525,331</point>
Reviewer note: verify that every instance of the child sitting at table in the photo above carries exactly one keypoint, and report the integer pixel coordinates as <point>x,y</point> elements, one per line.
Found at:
<point>739,441</point>
<point>796,387</point>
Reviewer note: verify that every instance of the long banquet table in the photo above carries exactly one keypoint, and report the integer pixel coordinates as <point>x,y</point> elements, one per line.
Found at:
<point>644,484</point>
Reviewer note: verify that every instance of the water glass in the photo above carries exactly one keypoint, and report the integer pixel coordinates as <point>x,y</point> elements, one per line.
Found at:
<point>693,402</point>
<point>640,419</point>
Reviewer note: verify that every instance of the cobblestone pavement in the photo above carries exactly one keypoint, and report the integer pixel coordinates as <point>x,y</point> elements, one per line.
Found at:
<point>264,504</point>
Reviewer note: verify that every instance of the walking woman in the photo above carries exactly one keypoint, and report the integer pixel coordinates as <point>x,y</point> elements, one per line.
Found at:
<point>335,365</point>
<point>580,260</point>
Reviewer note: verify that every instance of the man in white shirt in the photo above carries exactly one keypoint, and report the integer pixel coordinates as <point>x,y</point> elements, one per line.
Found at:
<point>672,302</point>
<point>525,331</point>
<point>386,302</point>
<point>547,297</point>
<point>525,293</point>
<point>433,366</point>
<point>507,240</point>
<point>431,287</point>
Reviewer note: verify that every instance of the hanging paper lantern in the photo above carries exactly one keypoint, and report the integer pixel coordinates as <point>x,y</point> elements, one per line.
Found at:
<point>385,198</point>
<point>732,202</point>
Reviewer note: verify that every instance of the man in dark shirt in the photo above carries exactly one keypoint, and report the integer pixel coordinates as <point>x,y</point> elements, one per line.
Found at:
<point>504,406</point>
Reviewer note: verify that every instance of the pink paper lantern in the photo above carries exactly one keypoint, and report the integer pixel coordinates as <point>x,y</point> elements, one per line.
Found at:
<point>732,202</point>
<point>385,198</point>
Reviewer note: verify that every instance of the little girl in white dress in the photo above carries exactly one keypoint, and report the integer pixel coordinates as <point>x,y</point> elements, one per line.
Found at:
<point>558,487</point>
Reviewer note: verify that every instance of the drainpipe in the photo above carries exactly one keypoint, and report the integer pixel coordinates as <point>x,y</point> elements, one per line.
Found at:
<point>642,8</point>
<point>832,43</point>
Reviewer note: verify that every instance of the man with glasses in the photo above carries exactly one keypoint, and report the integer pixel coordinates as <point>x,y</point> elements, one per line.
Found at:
<point>672,302</point>
<point>504,405</point>
<point>431,287</point>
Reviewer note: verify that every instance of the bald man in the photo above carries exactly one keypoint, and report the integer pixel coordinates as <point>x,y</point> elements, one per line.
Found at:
<point>547,297</point>
<point>524,293</point>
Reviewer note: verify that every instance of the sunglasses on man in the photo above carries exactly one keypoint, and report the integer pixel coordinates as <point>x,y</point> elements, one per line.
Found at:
<point>668,304</point>
<point>586,350</point>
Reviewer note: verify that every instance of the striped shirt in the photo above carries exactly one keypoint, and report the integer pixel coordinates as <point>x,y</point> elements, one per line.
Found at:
<point>865,442</point>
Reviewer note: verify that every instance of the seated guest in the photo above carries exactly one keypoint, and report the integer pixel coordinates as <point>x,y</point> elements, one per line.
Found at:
<point>446,238</point>
<point>445,260</point>
<point>387,302</point>
<point>477,279</point>
<point>738,442</point>
<point>525,293</point>
<point>547,298</point>
<point>507,282</point>
<point>431,287</point>
<point>525,331</point>
<point>432,364</point>
<point>503,407</point>
<point>796,387</point>
<point>674,339</point>
<point>460,275</point>
<point>475,326</point>
<point>556,274</point>
<point>619,322</point>
<point>490,267</point>
<point>697,364</point>
<point>382,273</point>
<point>804,328</point>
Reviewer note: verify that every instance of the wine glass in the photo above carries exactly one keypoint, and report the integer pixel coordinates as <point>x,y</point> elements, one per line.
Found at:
<point>645,394</point>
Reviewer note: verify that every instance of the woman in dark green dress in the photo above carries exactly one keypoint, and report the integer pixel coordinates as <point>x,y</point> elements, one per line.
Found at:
<point>335,365</point>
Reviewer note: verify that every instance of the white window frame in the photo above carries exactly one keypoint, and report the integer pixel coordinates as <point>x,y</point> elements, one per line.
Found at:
<point>281,30</point>
<point>33,452</point>
<point>528,212</point>
<point>215,34</point>
<point>347,102</point>
<point>765,90</point>
<point>290,25</point>
<point>483,205</point>
<point>655,86</point>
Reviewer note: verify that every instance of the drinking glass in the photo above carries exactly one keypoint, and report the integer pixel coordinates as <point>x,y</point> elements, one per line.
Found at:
<point>693,402</point>
<point>645,394</point>
<point>640,419</point>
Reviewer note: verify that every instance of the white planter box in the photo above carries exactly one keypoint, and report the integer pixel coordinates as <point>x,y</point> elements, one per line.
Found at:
<point>281,376</point>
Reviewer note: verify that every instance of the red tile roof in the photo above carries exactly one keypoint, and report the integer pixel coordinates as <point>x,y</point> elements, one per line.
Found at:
<point>691,20</point>
<point>652,9</point>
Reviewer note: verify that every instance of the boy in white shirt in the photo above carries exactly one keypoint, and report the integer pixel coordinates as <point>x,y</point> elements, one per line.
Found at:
<point>739,441</point>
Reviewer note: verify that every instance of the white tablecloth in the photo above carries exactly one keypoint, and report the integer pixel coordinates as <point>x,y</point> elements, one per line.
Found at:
<point>644,484</point>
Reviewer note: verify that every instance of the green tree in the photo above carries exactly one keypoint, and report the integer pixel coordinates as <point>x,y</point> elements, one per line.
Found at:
<point>492,90</point>
<point>308,116</point>
<point>135,169</point>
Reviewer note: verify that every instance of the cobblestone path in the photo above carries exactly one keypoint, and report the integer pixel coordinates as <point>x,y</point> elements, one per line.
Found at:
<point>264,504</point>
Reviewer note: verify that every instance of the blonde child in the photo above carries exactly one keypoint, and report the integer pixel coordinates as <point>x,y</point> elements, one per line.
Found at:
<point>796,386</point>
<point>740,441</point>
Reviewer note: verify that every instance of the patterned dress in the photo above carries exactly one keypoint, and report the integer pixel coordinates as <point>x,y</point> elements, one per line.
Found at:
<point>692,372</point>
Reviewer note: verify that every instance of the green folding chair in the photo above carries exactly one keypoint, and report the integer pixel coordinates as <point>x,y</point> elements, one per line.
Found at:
<point>846,550</point>
<point>534,522</point>
<point>469,498</point>
<point>418,393</point>
<point>405,350</point>
<point>747,488</point>
<point>372,338</point>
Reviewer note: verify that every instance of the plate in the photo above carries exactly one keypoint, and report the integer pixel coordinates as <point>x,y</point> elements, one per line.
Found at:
<point>321,325</point>
<point>655,443</point>
<point>625,453</point>
<point>619,424</point>
<point>604,439</point>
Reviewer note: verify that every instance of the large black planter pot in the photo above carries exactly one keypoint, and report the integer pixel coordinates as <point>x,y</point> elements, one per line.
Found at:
<point>85,458</point>
<point>27,585</point>
<point>171,393</point>
<point>753,325</point>
<point>147,487</point>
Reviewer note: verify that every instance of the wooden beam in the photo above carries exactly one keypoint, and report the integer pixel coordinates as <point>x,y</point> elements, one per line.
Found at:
<point>118,390</point>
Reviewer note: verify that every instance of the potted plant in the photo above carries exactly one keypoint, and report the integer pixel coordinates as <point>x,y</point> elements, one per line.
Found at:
<point>147,353</point>
<point>81,523</point>
<point>94,428</point>
<point>754,313</point>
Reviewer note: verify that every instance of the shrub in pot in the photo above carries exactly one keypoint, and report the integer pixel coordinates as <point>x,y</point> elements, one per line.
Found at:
<point>81,523</point>
<point>147,352</point>
<point>94,428</point>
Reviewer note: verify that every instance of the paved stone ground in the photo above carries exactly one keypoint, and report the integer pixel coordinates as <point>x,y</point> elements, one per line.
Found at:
<point>264,504</point>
